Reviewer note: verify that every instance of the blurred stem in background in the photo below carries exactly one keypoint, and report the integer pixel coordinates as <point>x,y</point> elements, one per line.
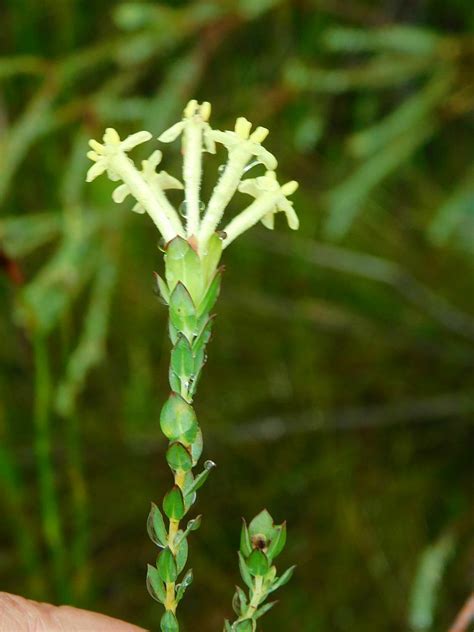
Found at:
<point>49,506</point>
<point>79,548</point>
<point>13,493</point>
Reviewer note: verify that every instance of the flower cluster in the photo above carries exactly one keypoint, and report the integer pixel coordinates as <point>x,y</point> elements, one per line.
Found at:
<point>148,186</point>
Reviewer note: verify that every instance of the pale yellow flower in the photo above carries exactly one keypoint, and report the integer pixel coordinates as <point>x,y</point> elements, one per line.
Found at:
<point>102,153</point>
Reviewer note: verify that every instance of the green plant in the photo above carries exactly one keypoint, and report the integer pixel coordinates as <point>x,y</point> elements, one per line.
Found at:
<point>260,543</point>
<point>190,288</point>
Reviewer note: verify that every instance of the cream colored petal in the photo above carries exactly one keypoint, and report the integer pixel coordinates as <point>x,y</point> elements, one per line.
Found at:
<point>250,187</point>
<point>172,133</point>
<point>92,155</point>
<point>165,181</point>
<point>190,109</point>
<point>120,193</point>
<point>268,221</point>
<point>113,175</point>
<point>268,182</point>
<point>138,208</point>
<point>155,158</point>
<point>111,136</point>
<point>205,110</point>
<point>289,187</point>
<point>291,217</point>
<point>97,169</point>
<point>96,146</point>
<point>135,139</point>
<point>209,142</point>
<point>229,139</point>
<point>243,127</point>
<point>259,135</point>
<point>265,157</point>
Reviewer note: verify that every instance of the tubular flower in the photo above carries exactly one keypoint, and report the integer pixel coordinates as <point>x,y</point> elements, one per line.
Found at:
<point>270,197</point>
<point>242,147</point>
<point>196,132</point>
<point>148,186</point>
<point>158,182</point>
<point>103,153</point>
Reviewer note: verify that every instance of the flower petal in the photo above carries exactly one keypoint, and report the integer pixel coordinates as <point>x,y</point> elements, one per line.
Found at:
<point>138,208</point>
<point>120,193</point>
<point>250,187</point>
<point>268,182</point>
<point>289,187</point>
<point>265,157</point>
<point>155,158</point>
<point>209,142</point>
<point>111,136</point>
<point>228,139</point>
<point>97,169</point>
<point>165,181</point>
<point>135,139</point>
<point>243,127</point>
<point>268,221</point>
<point>113,175</point>
<point>171,133</point>
<point>291,217</point>
<point>96,146</point>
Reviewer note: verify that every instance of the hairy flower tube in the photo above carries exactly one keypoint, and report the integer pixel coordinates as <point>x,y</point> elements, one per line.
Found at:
<point>190,287</point>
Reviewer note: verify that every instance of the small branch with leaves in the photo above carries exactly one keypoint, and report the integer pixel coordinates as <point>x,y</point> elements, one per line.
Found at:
<point>260,543</point>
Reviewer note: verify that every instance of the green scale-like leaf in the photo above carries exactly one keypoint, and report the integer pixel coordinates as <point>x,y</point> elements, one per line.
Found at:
<point>156,526</point>
<point>181,553</point>
<point>262,524</point>
<point>169,623</point>
<point>244,626</point>
<point>211,257</point>
<point>264,609</point>
<point>181,588</point>
<point>182,310</point>
<point>155,584</point>
<point>166,566</point>
<point>278,541</point>
<point>163,289</point>
<point>200,478</point>
<point>245,543</point>
<point>197,447</point>
<point>284,579</point>
<point>257,563</point>
<point>182,361</point>
<point>178,420</point>
<point>193,525</point>
<point>244,571</point>
<point>183,265</point>
<point>173,504</point>
<point>178,457</point>
<point>210,296</point>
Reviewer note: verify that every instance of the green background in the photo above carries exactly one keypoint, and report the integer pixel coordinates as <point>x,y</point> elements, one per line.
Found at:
<point>338,391</point>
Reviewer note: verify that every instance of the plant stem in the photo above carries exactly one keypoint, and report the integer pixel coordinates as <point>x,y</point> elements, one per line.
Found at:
<point>13,491</point>
<point>257,596</point>
<point>79,505</point>
<point>50,516</point>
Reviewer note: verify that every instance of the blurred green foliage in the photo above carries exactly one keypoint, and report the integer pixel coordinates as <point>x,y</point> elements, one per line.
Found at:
<point>339,388</point>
